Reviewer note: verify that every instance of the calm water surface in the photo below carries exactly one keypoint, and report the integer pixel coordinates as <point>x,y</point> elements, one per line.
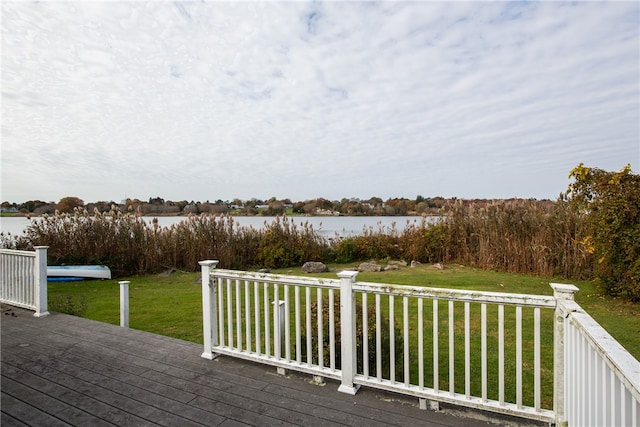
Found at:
<point>328,226</point>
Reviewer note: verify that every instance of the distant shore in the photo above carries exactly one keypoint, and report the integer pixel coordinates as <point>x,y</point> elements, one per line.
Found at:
<point>33,215</point>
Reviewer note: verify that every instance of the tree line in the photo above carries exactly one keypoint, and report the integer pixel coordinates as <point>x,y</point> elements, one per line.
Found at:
<point>374,206</point>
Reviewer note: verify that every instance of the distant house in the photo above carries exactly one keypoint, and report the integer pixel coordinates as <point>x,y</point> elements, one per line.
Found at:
<point>326,212</point>
<point>10,209</point>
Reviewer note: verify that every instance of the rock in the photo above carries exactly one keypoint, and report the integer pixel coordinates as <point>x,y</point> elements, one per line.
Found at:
<point>415,264</point>
<point>438,266</point>
<point>167,273</point>
<point>314,267</point>
<point>264,270</point>
<point>391,267</point>
<point>370,267</point>
<point>399,263</point>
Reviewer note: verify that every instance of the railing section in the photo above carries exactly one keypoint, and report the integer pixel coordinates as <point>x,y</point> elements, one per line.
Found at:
<point>602,380</point>
<point>23,279</point>
<point>270,319</point>
<point>491,351</point>
<point>457,347</point>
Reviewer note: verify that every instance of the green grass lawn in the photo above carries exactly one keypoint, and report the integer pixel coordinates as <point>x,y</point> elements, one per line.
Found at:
<point>171,304</point>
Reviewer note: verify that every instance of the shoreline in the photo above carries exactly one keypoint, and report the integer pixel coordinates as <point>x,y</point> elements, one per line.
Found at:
<point>186,215</point>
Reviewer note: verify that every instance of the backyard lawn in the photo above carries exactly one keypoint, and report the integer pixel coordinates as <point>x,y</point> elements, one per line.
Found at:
<point>170,304</point>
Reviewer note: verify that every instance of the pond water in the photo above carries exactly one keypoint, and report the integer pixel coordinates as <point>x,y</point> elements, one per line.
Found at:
<point>328,226</point>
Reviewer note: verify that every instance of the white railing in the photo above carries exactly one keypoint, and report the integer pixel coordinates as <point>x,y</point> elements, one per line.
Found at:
<point>601,379</point>
<point>425,342</point>
<point>249,315</point>
<point>23,279</point>
<point>439,345</point>
<point>455,360</point>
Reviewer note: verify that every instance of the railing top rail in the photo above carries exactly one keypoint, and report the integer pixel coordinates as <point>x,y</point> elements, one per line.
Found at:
<point>399,290</point>
<point>17,252</point>
<point>276,278</point>
<point>626,367</point>
<point>458,295</point>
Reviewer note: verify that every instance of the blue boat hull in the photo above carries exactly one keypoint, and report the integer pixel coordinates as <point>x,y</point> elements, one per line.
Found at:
<point>65,279</point>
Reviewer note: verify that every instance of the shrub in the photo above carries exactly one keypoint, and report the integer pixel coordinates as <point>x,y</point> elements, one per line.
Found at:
<point>379,243</point>
<point>371,339</point>
<point>283,244</point>
<point>610,203</point>
<point>347,250</point>
<point>426,242</point>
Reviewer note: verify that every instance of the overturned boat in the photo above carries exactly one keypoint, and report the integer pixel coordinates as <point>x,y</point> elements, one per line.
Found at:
<point>77,272</point>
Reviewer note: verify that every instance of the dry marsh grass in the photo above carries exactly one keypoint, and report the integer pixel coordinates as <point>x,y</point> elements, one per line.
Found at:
<point>520,236</point>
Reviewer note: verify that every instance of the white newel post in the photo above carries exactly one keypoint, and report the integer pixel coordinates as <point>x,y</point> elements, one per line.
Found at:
<point>124,303</point>
<point>564,296</point>
<point>348,332</point>
<point>40,280</point>
<point>209,309</point>
<point>279,324</point>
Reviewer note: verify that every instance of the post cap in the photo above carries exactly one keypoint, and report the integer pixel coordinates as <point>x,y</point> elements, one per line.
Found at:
<point>565,290</point>
<point>347,274</point>
<point>209,263</point>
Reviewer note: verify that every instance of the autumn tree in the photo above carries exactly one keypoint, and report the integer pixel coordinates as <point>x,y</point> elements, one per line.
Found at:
<point>275,208</point>
<point>68,204</point>
<point>157,201</point>
<point>32,205</point>
<point>298,207</point>
<point>610,202</point>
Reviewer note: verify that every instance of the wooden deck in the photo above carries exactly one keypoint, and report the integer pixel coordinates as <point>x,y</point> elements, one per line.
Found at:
<point>65,370</point>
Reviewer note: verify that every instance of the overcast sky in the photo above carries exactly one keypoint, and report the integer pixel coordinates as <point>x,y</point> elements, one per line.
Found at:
<point>217,100</point>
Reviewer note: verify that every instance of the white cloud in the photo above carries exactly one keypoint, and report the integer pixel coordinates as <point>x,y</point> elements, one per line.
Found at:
<point>216,100</point>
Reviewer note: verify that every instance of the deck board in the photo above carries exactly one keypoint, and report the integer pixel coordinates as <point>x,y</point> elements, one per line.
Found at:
<point>7,420</point>
<point>65,370</point>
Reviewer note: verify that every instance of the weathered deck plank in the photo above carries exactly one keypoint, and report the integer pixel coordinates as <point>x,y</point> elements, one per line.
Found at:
<point>17,412</point>
<point>64,370</point>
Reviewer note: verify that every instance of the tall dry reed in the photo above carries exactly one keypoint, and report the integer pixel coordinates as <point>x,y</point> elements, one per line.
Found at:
<point>520,236</point>
<point>128,244</point>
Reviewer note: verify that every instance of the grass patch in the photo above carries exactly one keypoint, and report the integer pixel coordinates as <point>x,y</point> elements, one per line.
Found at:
<point>171,304</point>
<point>162,304</point>
<point>68,304</point>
